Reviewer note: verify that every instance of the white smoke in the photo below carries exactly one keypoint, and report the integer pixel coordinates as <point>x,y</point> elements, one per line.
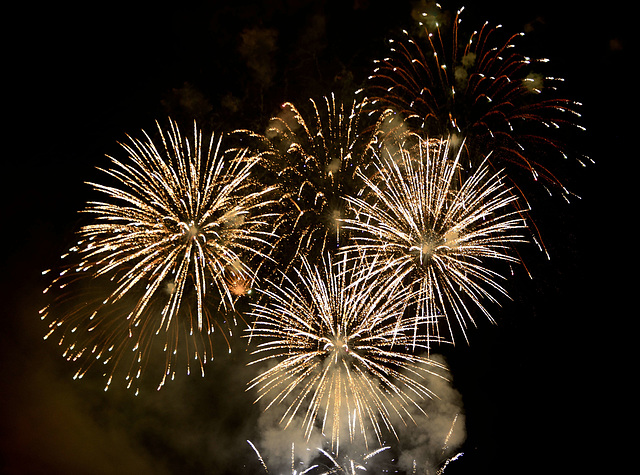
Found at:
<point>258,47</point>
<point>280,447</point>
<point>534,82</point>
<point>425,445</point>
<point>461,72</point>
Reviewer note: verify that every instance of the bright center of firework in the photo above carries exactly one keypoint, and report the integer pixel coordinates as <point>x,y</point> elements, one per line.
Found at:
<point>239,285</point>
<point>334,166</point>
<point>427,250</point>
<point>337,347</point>
<point>432,243</point>
<point>188,230</point>
<point>192,231</point>
<point>426,247</point>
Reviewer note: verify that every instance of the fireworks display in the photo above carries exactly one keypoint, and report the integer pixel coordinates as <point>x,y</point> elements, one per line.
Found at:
<point>319,254</point>
<point>436,231</point>
<point>478,87</point>
<point>346,357</point>
<point>164,259</point>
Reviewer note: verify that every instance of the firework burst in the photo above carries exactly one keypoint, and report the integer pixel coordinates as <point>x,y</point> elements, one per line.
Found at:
<point>164,258</point>
<point>479,87</point>
<point>311,156</point>
<point>344,357</point>
<point>436,230</point>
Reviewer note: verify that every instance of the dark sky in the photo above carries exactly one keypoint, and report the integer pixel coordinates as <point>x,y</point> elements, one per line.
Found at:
<point>536,387</point>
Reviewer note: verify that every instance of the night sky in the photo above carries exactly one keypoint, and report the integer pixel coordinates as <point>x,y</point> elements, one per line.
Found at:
<point>537,389</point>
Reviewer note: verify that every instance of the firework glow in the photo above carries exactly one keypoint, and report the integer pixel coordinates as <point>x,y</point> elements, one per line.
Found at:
<point>344,356</point>
<point>165,257</point>
<point>438,230</point>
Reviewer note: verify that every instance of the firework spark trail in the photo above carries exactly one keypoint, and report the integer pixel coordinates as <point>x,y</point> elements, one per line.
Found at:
<point>176,232</point>
<point>344,353</point>
<point>262,462</point>
<point>437,230</point>
<point>446,463</point>
<point>294,470</point>
<point>445,460</point>
<point>312,156</point>
<point>483,90</point>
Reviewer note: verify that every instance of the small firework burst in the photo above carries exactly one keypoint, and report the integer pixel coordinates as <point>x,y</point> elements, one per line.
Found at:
<point>165,256</point>
<point>345,358</point>
<point>438,231</point>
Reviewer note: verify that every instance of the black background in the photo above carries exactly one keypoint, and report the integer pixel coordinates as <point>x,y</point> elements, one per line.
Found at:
<point>539,388</point>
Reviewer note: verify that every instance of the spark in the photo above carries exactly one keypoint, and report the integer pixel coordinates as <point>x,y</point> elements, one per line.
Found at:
<point>448,461</point>
<point>262,462</point>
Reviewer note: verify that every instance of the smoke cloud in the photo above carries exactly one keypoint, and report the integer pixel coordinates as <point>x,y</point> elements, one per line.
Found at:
<point>427,444</point>
<point>258,47</point>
